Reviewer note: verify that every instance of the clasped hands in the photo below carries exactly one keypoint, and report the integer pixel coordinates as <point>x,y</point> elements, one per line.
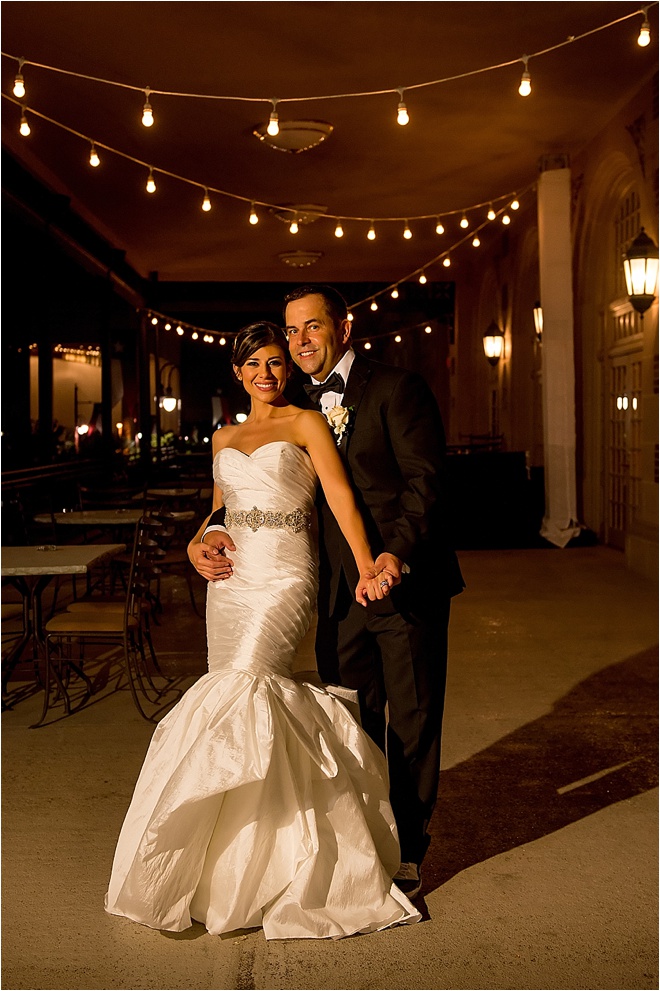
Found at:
<point>209,558</point>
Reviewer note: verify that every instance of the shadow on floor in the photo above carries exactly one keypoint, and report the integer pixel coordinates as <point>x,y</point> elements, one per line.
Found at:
<point>596,747</point>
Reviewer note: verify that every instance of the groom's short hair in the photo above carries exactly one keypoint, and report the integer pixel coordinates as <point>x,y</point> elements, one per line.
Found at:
<point>335,303</point>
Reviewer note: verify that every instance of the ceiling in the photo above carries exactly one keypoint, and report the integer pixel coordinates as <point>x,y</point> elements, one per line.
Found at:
<point>469,141</point>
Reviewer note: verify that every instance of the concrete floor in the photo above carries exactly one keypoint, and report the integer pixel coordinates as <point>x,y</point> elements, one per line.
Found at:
<point>542,871</point>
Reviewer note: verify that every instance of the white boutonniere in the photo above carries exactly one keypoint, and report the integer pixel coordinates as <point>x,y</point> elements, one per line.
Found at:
<point>339,418</point>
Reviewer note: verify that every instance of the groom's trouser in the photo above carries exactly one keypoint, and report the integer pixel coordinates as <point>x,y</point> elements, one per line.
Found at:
<point>402,664</point>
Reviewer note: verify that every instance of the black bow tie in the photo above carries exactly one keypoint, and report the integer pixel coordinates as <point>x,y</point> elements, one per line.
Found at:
<point>334,383</point>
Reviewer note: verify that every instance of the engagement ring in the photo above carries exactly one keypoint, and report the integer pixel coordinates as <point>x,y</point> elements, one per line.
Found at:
<point>383,584</point>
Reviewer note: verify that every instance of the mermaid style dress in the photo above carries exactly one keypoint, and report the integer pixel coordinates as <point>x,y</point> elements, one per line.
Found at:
<point>261,802</point>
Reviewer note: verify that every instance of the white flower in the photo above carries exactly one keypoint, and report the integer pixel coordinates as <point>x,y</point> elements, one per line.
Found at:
<point>338,418</point>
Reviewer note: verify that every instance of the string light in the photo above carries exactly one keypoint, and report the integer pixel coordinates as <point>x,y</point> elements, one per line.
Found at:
<point>423,280</point>
<point>194,335</point>
<point>254,219</point>
<point>179,331</point>
<point>371,233</point>
<point>374,305</point>
<point>491,213</point>
<point>147,111</point>
<point>293,227</point>
<point>223,341</point>
<point>475,242</point>
<point>350,317</point>
<point>439,229</point>
<point>428,330</point>
<point>94,159</point>
<point>515,205</point>
<point>402,116</point>
<point>25,127</point>
<point>525,87</point>
<point>151,182</point>
<point>168,326</point>
<point>398,338</point>
<point>274,121</point>
<point>206,203</point>
<point>19,82</point>
<point>339,230</point>
<point>154,321</point>
<point>446,262</point>
<point>464,222</point>
<point>506,219</point>
<point>395,293</point>
<point>367,346</point>
<point>407,233</point>
<point>644,38</point>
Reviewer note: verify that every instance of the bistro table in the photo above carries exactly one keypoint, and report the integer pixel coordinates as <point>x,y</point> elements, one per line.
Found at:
<point>30,570</point>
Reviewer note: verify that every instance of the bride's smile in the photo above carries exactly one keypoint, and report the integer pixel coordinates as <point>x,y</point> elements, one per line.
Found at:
<point>264,374</point>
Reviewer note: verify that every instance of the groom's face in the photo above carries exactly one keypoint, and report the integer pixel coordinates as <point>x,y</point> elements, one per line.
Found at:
<point>316,343</point>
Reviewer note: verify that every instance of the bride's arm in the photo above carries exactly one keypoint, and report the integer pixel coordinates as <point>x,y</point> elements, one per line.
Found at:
<point>313,434</point>
<point>208,557</point>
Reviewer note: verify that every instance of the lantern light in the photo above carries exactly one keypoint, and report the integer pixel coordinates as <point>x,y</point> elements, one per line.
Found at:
<point>493,343</point>
<point>640,266</point>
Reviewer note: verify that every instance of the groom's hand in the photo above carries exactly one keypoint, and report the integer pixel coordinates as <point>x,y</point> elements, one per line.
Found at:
<point>209,558</point>
<point>392,564</point>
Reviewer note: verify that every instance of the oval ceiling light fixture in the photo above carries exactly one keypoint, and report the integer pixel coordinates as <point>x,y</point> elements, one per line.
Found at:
<point>295,136</point>
<point>302,213</point>
<point>300,259</point>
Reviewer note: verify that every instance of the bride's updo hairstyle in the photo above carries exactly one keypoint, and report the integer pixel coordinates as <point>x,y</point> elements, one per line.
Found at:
<point>256,336</point>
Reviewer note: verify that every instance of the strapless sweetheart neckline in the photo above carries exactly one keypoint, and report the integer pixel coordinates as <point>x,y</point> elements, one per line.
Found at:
<point>261,447</point>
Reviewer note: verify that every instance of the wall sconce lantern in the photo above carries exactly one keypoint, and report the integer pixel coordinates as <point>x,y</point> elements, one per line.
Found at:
<point>493,343</point>
<point>538,321</point>
<point>168,400</point>
<point>640,265</point>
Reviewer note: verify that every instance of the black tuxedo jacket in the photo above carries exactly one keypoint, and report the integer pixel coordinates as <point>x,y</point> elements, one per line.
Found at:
<point>394,454</point>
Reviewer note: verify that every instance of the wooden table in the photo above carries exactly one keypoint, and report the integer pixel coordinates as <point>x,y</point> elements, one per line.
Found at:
<point>92,517</point>
<point>30,570</point>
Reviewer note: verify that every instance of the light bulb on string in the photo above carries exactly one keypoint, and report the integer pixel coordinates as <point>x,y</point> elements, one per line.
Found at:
<point>339,230</point>
<point>179,330</point>
<point>154,321</point>
<point>25,127</point>
<point>206,202</point>
<point>506,219</point>
<point>293,227</point>
<point>151,182</point>
<point>371,233</point>
<point>423,280</point>
<point>491,213</point>
<point>350,317</point>
<point>374,305</point>
<point>464,222</point>
<point>194,335</point>
<point>407,233</point>
<point>367,346</point>
<point>514,205</point>
<point>644,38</point>
<point>525,87</point>
<point>398,338</point>
<point>168,326</point>
<point>402,116</point>
<point>395,293</point>
<point>439,229</point>
<point>274,121</point>
<point>147,111</point>
<point>94,159</point>
<point>222,341</point>
<point>254,219</point>
<point>428,329</point>
<point>475,241</point>
<point>446,262</point>
<point>19,82</point>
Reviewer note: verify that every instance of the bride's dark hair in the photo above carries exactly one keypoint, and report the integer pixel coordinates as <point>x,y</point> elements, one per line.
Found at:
<point>255,336</point>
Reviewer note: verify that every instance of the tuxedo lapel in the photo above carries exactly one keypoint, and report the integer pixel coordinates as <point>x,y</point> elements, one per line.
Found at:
<point>358,377</point>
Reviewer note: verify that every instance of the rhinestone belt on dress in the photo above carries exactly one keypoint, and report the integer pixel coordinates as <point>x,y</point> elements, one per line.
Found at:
<point>255,518</point>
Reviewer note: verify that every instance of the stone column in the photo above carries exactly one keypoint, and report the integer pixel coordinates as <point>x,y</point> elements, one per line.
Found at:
<point>556,281</point>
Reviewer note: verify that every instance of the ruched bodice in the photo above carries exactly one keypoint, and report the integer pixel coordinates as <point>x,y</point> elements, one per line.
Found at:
<point>261,802</point>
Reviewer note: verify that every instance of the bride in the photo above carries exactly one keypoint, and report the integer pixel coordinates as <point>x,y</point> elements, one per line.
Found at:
<point>261,802</point>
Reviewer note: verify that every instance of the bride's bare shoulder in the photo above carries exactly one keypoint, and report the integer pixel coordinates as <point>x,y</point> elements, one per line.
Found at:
<point>223,438</point>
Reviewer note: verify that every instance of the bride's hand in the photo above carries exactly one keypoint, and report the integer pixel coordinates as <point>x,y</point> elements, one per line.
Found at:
<point>372,586</point>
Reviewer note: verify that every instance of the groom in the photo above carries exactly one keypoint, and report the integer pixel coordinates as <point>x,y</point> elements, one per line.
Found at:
<point>394,652</point>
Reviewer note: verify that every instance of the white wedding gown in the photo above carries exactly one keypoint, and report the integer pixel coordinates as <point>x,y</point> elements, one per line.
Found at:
<point>261,802</point>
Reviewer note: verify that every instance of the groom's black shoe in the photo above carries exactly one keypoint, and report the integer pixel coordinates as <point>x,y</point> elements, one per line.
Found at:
<point>408,879</point>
